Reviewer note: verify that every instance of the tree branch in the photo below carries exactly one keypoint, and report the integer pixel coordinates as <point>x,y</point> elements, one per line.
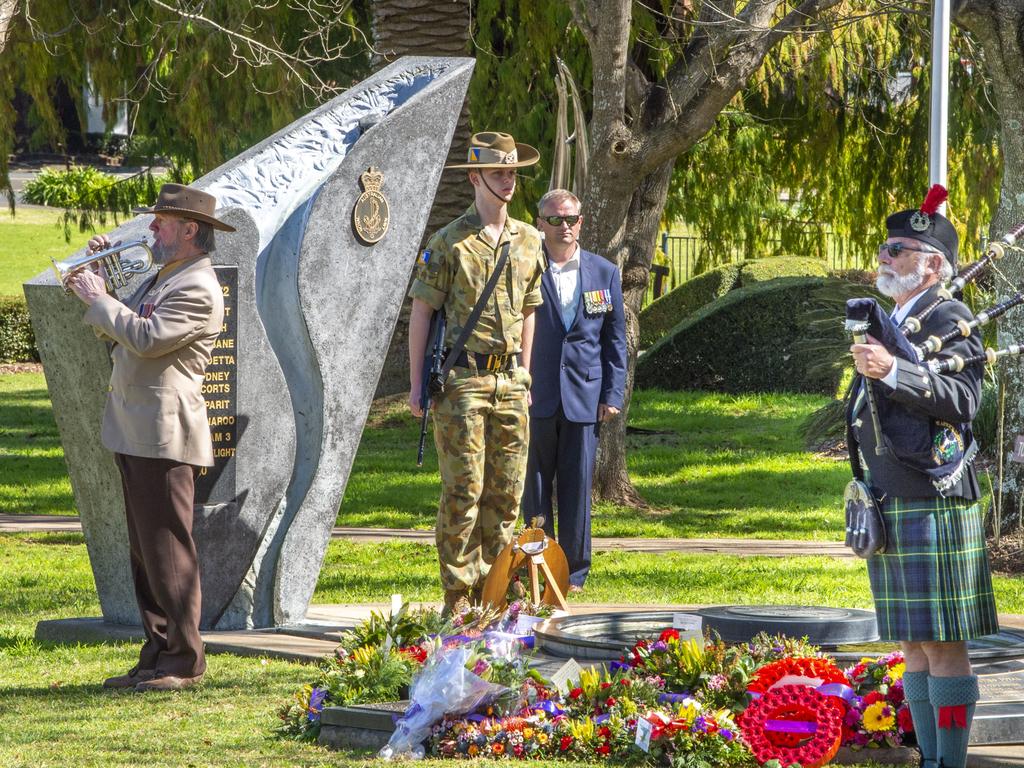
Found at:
<point>728,54</point>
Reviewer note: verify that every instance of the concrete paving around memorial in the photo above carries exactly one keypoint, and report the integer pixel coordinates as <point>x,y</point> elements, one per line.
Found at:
<point>741,547</point>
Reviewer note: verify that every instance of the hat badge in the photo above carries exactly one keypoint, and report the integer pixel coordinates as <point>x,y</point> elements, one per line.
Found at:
<point>920,221</point>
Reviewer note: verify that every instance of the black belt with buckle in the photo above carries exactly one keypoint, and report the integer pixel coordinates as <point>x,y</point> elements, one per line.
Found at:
<point>489,363</point>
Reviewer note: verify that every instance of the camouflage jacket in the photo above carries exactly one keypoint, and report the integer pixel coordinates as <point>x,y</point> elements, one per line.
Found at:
<point>455,267</point>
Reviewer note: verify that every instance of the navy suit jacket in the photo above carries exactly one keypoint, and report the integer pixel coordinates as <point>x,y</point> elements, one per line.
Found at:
<point>586,365</point>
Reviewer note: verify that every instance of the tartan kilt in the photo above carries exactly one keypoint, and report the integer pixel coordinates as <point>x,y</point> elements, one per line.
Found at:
<point>933,583</point>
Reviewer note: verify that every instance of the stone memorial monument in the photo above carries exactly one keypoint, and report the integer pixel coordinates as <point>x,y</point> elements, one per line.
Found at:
<point>329,213</point>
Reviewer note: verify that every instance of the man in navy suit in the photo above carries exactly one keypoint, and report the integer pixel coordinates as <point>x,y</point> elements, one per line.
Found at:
<point>579,375</point>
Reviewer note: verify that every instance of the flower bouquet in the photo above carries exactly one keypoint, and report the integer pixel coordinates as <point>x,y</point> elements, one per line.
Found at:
<point>879,715</point>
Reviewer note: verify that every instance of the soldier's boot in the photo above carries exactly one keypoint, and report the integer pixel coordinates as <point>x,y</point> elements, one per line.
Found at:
<point>953,699</point>
<point>456,601</point>
<point>915,689</point>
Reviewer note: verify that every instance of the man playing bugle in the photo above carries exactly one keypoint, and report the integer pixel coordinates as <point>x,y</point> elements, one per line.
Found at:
<point>155,424</point>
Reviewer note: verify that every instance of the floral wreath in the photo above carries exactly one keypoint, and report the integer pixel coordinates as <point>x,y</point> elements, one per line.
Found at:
<point>771,673</point>
<point>794,710</point>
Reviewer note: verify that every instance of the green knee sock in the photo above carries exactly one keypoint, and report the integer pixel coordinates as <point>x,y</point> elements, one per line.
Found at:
<point>915,690</point>
<point>954,699</point>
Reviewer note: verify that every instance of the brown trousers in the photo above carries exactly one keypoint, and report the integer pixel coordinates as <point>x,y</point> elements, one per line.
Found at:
<point>158,499</point>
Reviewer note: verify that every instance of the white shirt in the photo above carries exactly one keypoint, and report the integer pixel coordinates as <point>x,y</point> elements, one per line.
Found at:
<point>567,285</point>
<point>898,316</point>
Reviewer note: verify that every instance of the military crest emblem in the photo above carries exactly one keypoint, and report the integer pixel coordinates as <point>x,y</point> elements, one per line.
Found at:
<point>371,214</point>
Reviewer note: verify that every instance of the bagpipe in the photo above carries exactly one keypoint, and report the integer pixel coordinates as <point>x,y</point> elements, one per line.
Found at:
<point>865,317</point>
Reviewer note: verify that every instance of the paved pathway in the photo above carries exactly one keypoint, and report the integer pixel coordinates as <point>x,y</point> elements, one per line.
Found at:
<point>742,547</point>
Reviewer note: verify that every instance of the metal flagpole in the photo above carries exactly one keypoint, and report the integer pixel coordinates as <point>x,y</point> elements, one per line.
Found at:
<point>939,127</point>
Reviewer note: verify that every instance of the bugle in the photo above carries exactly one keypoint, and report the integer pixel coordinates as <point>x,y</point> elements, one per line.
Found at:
<point>117,270</point>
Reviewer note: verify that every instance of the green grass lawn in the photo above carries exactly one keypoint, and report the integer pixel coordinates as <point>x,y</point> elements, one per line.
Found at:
<point>720,465</point>
<point>28,240</point>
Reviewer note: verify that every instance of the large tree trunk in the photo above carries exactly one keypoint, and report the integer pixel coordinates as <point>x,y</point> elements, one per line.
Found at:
<point>999,27</point>
<point>630,244</point>
<point>424,28</point>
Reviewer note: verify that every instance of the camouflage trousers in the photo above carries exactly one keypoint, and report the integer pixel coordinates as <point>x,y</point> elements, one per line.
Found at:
<point>481,430</point>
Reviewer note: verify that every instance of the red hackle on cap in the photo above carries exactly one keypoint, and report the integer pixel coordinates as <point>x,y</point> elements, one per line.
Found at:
<point>936,196</point>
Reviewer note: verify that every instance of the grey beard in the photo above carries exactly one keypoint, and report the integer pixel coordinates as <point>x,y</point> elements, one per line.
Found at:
<point>893,285</point>
<point>162,254</point>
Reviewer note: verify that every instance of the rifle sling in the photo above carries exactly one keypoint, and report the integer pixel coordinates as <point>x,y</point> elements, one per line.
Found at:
<point>474,316</point>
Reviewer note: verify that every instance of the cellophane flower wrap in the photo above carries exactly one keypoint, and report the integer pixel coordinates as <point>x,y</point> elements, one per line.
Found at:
<point>879,715</point>
<point>446,684</point>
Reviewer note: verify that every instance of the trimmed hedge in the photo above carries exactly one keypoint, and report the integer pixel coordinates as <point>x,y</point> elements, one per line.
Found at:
<point>662,315</point>
<point>762,270</point>
<point>17,341</point>
<point>746,341</point>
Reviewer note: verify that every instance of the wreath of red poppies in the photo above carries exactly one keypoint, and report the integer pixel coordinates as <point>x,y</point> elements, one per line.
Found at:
<point>812,724</point>
<point>770,674</point>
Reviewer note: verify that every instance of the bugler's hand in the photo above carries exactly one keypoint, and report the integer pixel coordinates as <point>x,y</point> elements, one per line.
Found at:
<point>87,285</point>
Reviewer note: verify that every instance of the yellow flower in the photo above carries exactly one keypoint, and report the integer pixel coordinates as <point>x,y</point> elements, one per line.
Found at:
<point>879,717</point>
<point>497,748</point>
<point>527,733</point>
<point>542,738</point>
<point>896,671</point>
<point>473,749</point>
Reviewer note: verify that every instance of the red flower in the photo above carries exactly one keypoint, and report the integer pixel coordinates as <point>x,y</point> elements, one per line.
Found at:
<point>604,749</point>
<point>518,750</point>
<point>669,634</point>
<point>606,685</point>
<point>873,698</point>
<point>565,743</point>
<point>625,682</point>
<point>604,732</point>
<point>611,701</point>
<point>575,693</point>
<point>905,720</point>
<point>414,652</point>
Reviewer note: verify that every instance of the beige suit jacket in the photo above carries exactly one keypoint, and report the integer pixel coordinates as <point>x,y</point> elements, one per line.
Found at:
<point>155,406</point>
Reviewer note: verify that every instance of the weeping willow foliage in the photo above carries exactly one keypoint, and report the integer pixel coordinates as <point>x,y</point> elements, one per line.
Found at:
<point>831,135</point>
<point>202,91</point>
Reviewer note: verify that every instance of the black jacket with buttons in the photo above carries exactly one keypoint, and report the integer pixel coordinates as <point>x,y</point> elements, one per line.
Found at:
<point>922,405</point>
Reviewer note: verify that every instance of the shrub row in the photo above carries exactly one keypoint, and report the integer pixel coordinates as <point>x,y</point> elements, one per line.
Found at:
<point>17,341</point>
<point>660,316</point>
<point>88,188</point>
<point>746,341</point>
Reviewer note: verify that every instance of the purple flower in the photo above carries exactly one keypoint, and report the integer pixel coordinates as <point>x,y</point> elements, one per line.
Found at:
<point>316,704</point>
<point>852,718</point>
<point>480,667</point>
<point>699,725</point>
<point>659,646</point>
<point>726,734</point>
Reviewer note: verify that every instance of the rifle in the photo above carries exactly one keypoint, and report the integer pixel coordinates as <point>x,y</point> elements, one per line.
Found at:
<point>433,381</point>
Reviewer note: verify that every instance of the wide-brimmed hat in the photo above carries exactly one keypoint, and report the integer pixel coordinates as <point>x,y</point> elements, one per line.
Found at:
<point>491,149</point>
<point>927,225</point>
<point>189,203</point>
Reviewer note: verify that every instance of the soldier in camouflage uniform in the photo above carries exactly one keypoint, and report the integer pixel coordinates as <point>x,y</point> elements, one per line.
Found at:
<point>481,422</point>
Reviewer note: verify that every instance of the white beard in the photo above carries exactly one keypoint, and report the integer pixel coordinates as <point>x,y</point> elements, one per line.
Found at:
<point>892,285</point>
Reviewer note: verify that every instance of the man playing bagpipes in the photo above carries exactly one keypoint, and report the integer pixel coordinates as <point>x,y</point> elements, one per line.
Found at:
<point>910,442</point>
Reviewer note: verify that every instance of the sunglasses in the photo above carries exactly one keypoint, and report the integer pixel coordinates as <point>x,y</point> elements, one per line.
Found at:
<point>556,221</point>
<point>895,250</point>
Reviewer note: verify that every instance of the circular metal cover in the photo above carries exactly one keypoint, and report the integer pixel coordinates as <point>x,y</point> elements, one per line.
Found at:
<point>604,636</point>
<point>826,627</point>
